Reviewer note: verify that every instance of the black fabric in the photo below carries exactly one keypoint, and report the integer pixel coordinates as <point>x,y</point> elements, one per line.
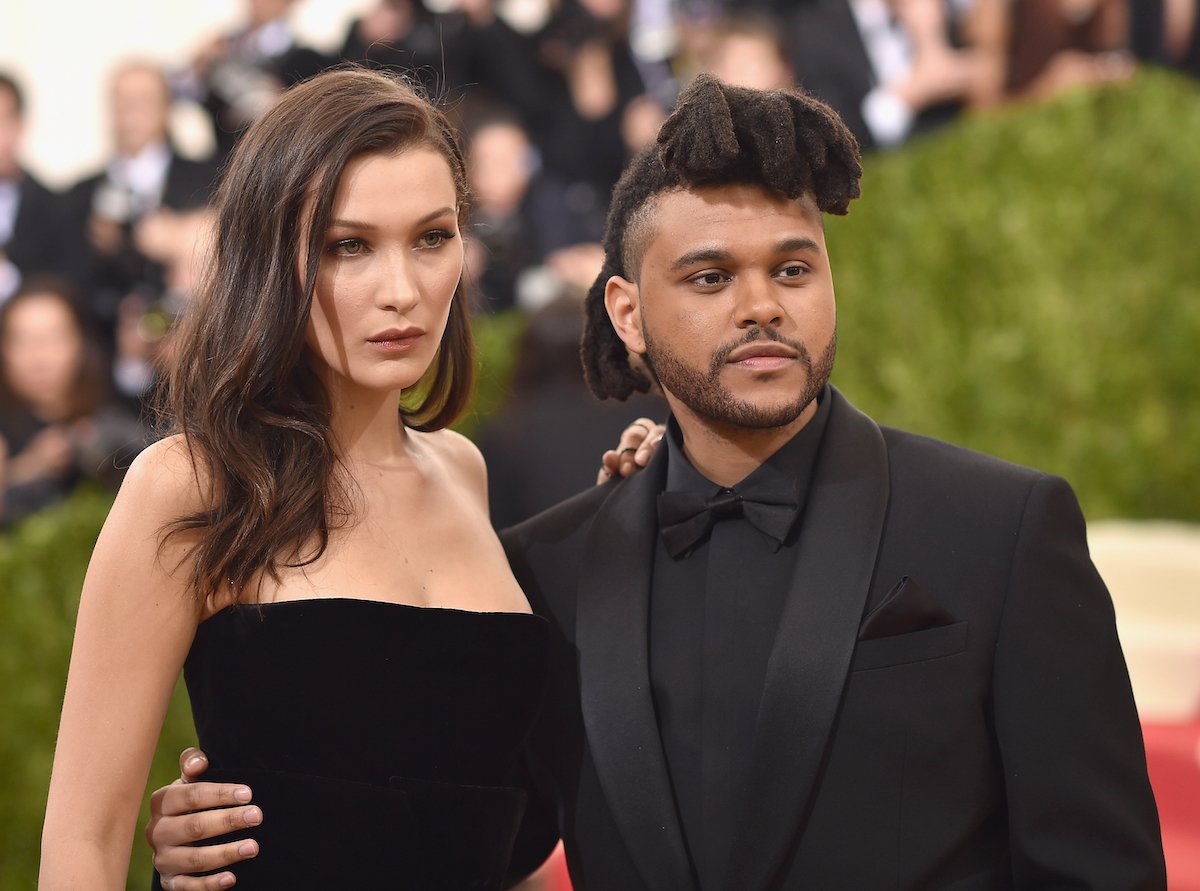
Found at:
<point>39,242</point>
<point>1000,751</point>
<point>713,617</point>
<point>831,63</point>
<point>380,740</point>
<point>685,518</point>
<point>107,278</point>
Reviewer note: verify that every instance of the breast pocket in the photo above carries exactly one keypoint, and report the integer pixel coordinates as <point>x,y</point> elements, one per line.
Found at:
<point>916,646</point>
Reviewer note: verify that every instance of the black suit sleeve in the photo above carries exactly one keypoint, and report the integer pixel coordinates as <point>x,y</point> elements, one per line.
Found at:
<point>1080,809</point>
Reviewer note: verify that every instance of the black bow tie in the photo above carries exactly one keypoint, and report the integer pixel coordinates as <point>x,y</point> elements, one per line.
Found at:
<point>684,518</point>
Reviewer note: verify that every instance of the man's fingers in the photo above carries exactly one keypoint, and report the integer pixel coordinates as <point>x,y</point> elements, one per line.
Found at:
<point>192,763</point>
<point>185,798</point>
<point>609,464</point>
<point>635,433</point>
<point>637,445</point>
<point>173,864</point>
<point>198,883</point>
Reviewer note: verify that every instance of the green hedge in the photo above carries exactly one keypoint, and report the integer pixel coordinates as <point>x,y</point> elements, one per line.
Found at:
<point>42,564</point>
<point>1029,284</point>
<point>1026,283</point>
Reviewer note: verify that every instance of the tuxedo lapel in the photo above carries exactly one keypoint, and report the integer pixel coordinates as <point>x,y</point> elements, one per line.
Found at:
<point>807,671</point>
<point>614,678</point>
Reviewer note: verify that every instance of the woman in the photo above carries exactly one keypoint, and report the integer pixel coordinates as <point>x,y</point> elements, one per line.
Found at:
<point>312,541</point>
<point>58,425</point>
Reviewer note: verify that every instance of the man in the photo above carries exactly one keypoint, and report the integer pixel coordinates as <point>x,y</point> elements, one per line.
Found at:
<point>143,187</point>
<point>890,68</point>
<point>31,222</point>
<point>798,650</point>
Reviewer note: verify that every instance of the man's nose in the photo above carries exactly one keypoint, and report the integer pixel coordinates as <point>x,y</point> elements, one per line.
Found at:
<point>757,303</point>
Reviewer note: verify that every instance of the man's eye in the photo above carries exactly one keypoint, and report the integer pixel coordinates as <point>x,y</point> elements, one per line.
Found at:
<point>709,278</point>
<point>795,270</point>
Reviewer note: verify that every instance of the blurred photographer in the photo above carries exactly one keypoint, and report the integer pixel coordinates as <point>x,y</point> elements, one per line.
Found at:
<point>239,75</point>
<point>145,188</point>
<point>58,426</point>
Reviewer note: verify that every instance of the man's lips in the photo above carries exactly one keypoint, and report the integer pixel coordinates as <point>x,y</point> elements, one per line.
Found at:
<point>761,356</point>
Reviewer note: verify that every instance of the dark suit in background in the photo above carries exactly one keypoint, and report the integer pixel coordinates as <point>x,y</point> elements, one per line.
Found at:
<point>106,278</point>
<point>831,62</point>
<point>36,245</point>
<point>945,705</point>
<point>542,446</point>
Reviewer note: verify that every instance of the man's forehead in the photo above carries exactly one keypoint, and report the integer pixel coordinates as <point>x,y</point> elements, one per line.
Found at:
<point>748,197</point>
<point>693,215</point>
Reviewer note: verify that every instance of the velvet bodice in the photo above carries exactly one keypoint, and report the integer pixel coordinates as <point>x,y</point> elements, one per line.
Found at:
<point>379,739</point>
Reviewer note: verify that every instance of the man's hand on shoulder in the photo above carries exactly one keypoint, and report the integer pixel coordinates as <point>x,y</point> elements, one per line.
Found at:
<point>185,814</point>
<point>634,450</point>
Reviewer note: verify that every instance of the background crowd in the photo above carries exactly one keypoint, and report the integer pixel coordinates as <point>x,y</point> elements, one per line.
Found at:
<point>1023,281</point>
<point>552,97</point>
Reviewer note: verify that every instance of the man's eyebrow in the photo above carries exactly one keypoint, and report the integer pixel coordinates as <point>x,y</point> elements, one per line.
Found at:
<point>716,255</point>
<point>359,224</point>
<point>797,244</point>
<point>701,255</point>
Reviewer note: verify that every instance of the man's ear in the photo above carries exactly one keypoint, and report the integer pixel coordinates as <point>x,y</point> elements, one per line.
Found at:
<point>622,300</point>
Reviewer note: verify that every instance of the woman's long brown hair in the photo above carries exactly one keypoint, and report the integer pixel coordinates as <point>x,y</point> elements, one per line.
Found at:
<point>240,385</point>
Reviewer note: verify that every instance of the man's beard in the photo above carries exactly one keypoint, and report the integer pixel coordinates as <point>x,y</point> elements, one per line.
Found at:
<point>704,394</point>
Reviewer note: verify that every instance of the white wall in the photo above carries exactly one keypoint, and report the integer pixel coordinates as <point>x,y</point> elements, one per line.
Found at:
<point>61,52</point>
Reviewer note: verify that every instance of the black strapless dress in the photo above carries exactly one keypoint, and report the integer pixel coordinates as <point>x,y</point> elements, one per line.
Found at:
<point>379,739</point>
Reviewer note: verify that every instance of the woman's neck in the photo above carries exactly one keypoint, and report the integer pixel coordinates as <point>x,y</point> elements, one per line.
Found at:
<point>366,425</point>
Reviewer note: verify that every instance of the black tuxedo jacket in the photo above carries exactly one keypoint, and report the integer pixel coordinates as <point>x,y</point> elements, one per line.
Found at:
<point>946,704</point>
<point>36,244</point>
<point>104,279</point>
<point>189,186</point>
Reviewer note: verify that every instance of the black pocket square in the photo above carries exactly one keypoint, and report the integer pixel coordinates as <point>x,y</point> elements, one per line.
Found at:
<point>904,609</point>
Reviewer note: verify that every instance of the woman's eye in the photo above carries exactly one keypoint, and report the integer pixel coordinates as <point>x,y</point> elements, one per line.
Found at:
<point>349,247</point>
<point>435,238</point>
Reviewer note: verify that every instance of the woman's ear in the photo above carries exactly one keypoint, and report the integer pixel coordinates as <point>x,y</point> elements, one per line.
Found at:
<point>622,300</point>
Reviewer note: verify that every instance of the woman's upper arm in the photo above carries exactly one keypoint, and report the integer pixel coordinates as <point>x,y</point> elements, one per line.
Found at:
<point>135,624</point>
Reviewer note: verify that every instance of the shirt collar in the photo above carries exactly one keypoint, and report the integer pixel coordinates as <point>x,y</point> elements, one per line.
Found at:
<point>144,173</point>
<point>790,467</point>
<point>10,201</point>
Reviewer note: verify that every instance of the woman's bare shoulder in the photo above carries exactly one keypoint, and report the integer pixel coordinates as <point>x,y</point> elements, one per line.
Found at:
<point>165,478</point>
<point>461,457</point>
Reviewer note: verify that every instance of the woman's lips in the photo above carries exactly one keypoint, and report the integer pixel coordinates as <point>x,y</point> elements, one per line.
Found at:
<point>396,340</point>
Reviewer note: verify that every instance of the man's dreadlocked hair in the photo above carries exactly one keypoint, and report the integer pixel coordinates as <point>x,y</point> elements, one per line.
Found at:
<point>783,140</point>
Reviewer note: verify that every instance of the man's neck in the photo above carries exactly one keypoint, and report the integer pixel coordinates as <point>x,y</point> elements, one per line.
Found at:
<point>728,453</point>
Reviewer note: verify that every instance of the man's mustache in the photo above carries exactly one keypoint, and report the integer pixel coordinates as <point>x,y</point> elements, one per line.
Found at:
<point>752,335</point>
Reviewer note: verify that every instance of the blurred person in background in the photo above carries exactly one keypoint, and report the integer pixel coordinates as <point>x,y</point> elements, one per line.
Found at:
<point>567,68</point>
<point>891,68</point>
<point>58,425</point>
<point>179,243</point>
<point>539,447</point>
<point>504,245</point>
<point>406,36</point>
<point>31,224</point>
<point>1167,33</point>
<point>1035,49</point>
<point>134,201</point>
<point>748,50</point>
<point>238,76</point>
